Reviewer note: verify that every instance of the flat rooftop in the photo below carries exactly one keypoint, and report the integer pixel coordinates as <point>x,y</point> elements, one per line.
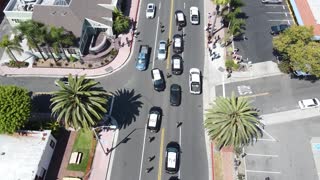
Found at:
<point>27,5</point>
<point>20,154</point>
<point>307,13</point>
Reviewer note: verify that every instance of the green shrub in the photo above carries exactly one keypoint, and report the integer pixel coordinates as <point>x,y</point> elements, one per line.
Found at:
<point>285,67</point>
<point>72,59</point>
<point>229,63</point>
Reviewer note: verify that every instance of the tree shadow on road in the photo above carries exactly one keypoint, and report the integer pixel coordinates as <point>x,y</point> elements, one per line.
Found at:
<point>126,107</point>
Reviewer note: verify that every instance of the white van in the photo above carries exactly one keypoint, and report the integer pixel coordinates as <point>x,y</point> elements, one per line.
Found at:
<point>271,1</point>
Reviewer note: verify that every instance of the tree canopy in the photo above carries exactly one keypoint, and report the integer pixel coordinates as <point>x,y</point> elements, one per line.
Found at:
<point>121,23</point>
<point>232,121</point>
<point>297,46</point>
<point>79,104</point>
<point>15,108</point>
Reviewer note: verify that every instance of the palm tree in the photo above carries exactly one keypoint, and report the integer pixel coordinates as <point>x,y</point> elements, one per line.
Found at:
<point>10,45</point>
<point>232,121</point>
<point>30,30</point>
<point>121,23</point>
<point>80,104</point>
<point>60,39</point>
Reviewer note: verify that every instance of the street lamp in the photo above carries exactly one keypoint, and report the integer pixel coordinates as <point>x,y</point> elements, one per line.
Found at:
<point>113,127</point>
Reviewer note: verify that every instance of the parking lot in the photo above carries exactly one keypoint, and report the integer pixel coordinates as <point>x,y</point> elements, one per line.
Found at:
<point>284,152</point>
<point>256,43</point>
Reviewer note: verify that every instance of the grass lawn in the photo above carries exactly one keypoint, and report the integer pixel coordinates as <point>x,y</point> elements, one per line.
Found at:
<point>218,171</point>
<point>83,143</point>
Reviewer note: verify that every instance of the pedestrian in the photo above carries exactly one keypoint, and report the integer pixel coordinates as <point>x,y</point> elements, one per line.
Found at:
<point>179,124</point>
<point>243,155</point>
<point>149,169</point>
<point>218,37</point>
<point>168,75</point>
<point>151,158</point>
<point>151,138</point>
<point>209,15</point>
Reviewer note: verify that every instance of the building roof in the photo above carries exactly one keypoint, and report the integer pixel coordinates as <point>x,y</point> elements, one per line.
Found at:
<point>72,17</point>
<point>20,155</point>
<point>307,14</point>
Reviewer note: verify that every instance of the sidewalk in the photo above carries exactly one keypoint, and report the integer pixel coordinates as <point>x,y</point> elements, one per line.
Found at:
<point>120,61</point>
<point>102,162</point>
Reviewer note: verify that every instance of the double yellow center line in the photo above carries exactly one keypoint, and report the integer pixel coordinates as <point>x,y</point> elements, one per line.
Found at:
<point>170,34</point>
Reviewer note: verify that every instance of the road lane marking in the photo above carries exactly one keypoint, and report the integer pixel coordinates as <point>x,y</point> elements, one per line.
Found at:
<point>257,95</point>
<point>280,20</point>
<point>184,5</point>
<point>271,172</point>
<point>262,155</point>
<point>180,142</point>
<point>159,5</point>
<point>283,7</point>
<point>276,12</point>
<point>142,155</point>
<point>160,155</point>
<point>155,44</point>
<point>170,34</point>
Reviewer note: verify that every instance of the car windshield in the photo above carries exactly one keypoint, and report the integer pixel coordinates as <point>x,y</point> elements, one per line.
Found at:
<point>195,86</point>
<point>149,10</point>
<point>158,82</point>
<point>161,51</point>
<point>194,17</point>
<point>315,102</point>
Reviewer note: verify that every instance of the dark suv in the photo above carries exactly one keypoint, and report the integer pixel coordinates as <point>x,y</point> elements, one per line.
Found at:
<point>276,30</point>
<point>172,157</point>
<point>175,95</point>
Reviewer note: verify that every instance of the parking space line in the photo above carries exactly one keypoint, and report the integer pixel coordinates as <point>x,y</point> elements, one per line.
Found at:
<point>256,95</point>
<point>273,139</point>
<point>262,155</point>
<point>280,20</point>
<point>268,172</point>
<point>271,12</point>
<point>155,44</point>
<point>273,5</point>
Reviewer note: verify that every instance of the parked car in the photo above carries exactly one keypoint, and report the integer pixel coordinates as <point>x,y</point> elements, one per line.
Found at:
<point>150,11</point>
<point>180,18</point>
<point>309,103</point>
<point>195,81</point>
<point>162,51</point>
<point>172,162</point>
<point>300,73</point>
<point>175,95</point>
<point>157,79</point>
<point>174,178</point>
<point>194,15</point>
<point>276,30</point>
<point>177,43</point>
<point>176,64</point>
<point>64,80</point>
<point>154,119</point>
<point>143,58</point>
<point>271,1</point>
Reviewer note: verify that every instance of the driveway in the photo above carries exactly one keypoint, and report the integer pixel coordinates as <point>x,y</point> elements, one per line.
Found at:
<point>256,44</point>
<point>284,152</point>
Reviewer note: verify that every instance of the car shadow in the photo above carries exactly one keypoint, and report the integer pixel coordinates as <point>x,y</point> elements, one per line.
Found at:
<point>126,107</point>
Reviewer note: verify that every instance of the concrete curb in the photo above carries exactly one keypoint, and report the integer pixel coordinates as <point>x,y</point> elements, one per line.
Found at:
<point>110,164</point>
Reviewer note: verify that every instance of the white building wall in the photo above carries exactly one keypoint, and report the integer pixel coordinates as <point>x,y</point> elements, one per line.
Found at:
<point>46,156</point>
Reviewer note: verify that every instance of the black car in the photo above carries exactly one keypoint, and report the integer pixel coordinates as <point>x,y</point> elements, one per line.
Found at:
<point>157,79</point>
<point>176,64</point>
<point>177,43</point>
<point>154,119</point>
<point>180,18</point>
<point>275,30</point>
<point>175,95</point>
<point>64,80</point>
<point>174,178</point>
<point>172,157</point>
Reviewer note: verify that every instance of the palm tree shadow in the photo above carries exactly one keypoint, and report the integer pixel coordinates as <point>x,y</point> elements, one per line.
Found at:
<point>126,107</point>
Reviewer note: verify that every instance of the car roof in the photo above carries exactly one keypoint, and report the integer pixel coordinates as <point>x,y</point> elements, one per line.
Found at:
<point>162,45</point>
<point>153,120</point>
<point>180,15</point>
<point>195,77</point>
<point>156,74</point>
<point>308,102</point>
<point>177,40</point>
<point>176,63</point>
<point>172,158</point>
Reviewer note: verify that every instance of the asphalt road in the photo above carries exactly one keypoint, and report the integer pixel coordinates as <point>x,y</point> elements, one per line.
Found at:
<point>135,96</point>
<point>258,19</point>
<point>275,93</point>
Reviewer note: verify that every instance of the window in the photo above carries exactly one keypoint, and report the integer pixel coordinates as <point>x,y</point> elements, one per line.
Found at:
<point>52,144</point>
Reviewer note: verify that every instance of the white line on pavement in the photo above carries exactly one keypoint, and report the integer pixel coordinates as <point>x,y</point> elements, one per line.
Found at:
<point>273,5</point>
<point>142,155</point>
<point>184,5</point>
<point>274,139</point>
<point>262,155</point>
<point>266,140</point>
<point>159,5</point>
<point>245,166</point>
<point>111,107</point>
<point>280,20</point>
<point>180,142</point>
<point>283,7</point>
<point>277,12</point>
<point>155,44</point>
<point>270,172</point>
<point>286,14</point>
<point>115,140</point>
